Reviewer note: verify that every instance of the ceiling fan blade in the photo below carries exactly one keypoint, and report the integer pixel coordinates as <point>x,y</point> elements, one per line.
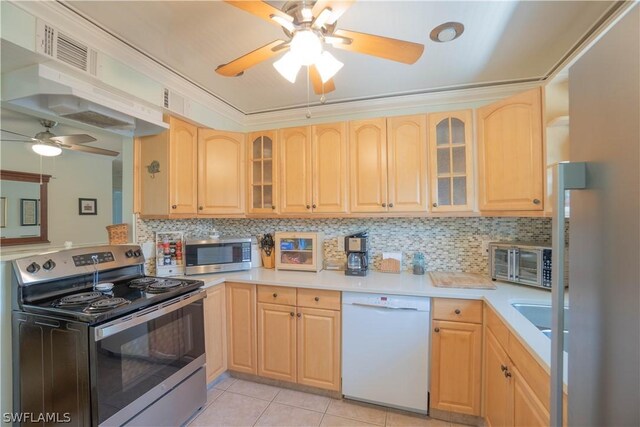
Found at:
<point>30,138</point>
<point>238,65</point>
<point>316,80</point>
<point>383,47</point>
<point>89,149</point>
<point>261,10</point>
<point>337,9</point>
<point>73,139</point>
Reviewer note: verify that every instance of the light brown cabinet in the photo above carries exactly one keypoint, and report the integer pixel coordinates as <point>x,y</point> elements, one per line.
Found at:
<point>388,167</point>
<point>221,173</point>
<point>313,169</point>
<point>497,393</point>
<point>167,171</point>
<point>241,327</point>
<point>215,330</point>
<point>451,166</point>
<point>510,154</point>
<point>456,356</point>
<point>297,343</point>
<point>263,172</point>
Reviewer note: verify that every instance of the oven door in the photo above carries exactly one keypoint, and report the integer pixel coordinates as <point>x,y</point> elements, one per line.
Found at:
<point>135,360</point>
<point>220,256</point>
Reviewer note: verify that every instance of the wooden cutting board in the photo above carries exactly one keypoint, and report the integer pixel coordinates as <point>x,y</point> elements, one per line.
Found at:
<point>446,279</point>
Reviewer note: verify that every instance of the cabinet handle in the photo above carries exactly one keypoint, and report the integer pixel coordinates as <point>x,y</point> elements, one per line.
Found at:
<point>174,206</point>
<point>308,207</point>
<point>436,330</point>
<point>435,205</point>
<point>507,374</point>
<point>275,295</point>
<point>200,207</point>
<point>291,314</point>
<point>457,311</point>
<point>313,206</point>
<point>536,201</point>
<point>390,205</point>
<point>299,314</point>
<point>316,299</point>
<point>503,368</point>
<point>384,205</point>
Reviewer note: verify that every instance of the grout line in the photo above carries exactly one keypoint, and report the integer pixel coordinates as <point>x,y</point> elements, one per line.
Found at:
<point>261,414</point>
<point>297,407</point>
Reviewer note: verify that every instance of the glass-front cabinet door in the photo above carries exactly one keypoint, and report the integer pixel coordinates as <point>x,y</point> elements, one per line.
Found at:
<point>451,161</point>
<point>262,172</point>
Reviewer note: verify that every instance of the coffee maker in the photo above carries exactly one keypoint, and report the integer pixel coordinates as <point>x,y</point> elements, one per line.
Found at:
<point>357,248</point>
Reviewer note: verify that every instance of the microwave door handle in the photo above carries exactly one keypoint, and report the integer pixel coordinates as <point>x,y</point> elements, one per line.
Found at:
<point>511,270</point>
<point>516,265</point>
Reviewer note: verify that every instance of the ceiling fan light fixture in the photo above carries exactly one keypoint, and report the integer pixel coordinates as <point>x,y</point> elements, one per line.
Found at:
<point>288,66</point>
<point>328,66</point>
<point>47,150</point>
<point>306,46</point>
<point>284,22</point>
<point>307,14</point>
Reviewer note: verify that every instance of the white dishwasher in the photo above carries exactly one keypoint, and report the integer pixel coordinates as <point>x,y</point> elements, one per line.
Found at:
<point>385,349</point>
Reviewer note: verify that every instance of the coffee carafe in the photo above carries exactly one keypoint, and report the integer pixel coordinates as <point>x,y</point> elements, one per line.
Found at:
<point>357,248</point>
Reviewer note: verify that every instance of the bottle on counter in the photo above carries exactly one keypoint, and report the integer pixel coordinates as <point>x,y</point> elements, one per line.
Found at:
<point>418,263</point>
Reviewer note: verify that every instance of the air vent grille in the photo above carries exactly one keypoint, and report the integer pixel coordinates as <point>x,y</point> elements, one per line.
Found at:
<point>166,98</point>
<point>49,36</point>
<point>53,43</point>
<point>72,52</point>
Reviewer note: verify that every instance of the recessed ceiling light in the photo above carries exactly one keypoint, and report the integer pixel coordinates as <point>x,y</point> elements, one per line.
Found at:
<point>446,32</point>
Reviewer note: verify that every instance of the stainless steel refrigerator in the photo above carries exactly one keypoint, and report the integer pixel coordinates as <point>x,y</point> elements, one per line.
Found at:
<point>604,232</point>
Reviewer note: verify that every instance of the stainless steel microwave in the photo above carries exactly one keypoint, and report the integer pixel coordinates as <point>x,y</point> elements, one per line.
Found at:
<point>521,262</point>
<point>216,255</point>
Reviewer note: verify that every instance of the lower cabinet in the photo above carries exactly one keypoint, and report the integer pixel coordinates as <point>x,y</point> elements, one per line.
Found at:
<point>456,356</point>
<point>215,330</point>
<point>241,327</point>
<point>297,343</point>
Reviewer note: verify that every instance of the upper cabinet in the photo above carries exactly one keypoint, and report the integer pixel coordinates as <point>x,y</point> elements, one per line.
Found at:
<point>510,154</point>
<point>167,171</point>
<point>221,175</point>
<point>313,169</point>
<point>451,166</point>
<point>262,166</point>
<point>388,165</point>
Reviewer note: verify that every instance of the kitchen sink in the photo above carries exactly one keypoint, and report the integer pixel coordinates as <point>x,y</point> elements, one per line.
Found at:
<point>540,316</point>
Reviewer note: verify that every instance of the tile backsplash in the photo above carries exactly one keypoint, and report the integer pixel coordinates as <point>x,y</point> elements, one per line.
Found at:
<point>449,244</point>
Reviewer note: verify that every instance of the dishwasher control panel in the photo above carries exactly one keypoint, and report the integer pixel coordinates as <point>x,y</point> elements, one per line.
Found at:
<point>400,302</point>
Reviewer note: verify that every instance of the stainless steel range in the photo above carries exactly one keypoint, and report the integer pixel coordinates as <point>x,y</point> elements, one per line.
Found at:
<point>98,342</point>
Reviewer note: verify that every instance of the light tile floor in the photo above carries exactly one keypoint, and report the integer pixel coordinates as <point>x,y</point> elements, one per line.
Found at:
<point>234,402</point>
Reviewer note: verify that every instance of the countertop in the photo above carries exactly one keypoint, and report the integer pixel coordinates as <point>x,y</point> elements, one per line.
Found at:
<point>405,283</point>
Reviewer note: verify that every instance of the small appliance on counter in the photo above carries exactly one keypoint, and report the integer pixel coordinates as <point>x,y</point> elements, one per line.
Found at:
<point>299,251</point>
<point>213,255</point>
<point>357,248</point>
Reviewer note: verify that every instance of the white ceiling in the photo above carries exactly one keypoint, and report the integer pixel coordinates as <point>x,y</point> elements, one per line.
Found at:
<point>504,41</point>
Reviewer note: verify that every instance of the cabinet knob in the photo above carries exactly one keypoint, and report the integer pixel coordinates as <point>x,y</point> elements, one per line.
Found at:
<point>313,206</point>
<point>536,201</point>
<point>200,208</point>
<point>384,205</point>
<point>291,314</point>
<point>275,295</point>
<point>299,314</point>
<point>457,311</point>
<point>316,299</point>
<point>308,207</point>
<point>273,207</point>
<point>507,374</point>
<point>174,206</point>
<point>503,368</point>
<point>436,330</point>
<point>435,205</point>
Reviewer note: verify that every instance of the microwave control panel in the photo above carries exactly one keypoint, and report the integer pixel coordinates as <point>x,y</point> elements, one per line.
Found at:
<point>546,268</point>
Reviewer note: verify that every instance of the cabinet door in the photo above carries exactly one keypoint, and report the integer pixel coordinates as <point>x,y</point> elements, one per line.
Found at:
<point>241,327</point>
<point>262,189</point>
<point>319,348</point>
<point>498,390</point>
<point>295,170</point>
<point>152,188</point>
<point>368,165</point>
<point>215,330</point>
<point>183,167</point>
<point>220,172</point>
<point>329,154</point>
<point>510,153</point>
<point>528,410</point>
<point>277,341</point>
<point>451,164</point>
<point>407,163</point>
<point>456,363</point>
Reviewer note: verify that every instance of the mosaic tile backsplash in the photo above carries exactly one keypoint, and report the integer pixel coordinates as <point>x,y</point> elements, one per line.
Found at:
<point>448,244</point>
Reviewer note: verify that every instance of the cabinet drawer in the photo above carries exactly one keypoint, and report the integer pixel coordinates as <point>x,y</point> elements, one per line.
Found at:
<point>316,298</point>
<point>277,295</point>
<point>457,310</point>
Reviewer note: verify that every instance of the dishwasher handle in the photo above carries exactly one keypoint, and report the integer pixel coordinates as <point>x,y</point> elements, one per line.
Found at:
<point>386,307</point>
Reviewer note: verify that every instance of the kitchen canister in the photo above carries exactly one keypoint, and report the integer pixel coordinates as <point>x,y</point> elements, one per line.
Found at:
<point>418,263</point>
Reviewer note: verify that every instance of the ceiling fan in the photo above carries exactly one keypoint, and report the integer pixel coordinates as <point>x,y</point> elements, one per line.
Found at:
<point>309,26</point>
<point>48,144</point>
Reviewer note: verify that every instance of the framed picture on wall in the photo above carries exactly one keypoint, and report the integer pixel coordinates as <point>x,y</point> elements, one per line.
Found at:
<point>3,212</point>
<point>87,206</point>
<point>28,212</point>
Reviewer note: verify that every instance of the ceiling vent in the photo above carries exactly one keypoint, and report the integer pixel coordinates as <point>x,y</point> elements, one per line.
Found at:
<point>57,45</point>
<point>174,101</point>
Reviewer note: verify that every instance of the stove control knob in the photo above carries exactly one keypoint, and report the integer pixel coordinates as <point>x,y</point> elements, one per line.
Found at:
<point>129,253</point>
<point>49,265</point>
<point>137,253</point>
<point>33,267</point>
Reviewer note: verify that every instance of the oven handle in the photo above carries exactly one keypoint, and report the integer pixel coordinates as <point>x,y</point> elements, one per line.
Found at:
<point>119,325</point>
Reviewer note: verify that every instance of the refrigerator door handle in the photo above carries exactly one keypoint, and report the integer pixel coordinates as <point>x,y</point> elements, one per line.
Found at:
<point>566,176</point>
